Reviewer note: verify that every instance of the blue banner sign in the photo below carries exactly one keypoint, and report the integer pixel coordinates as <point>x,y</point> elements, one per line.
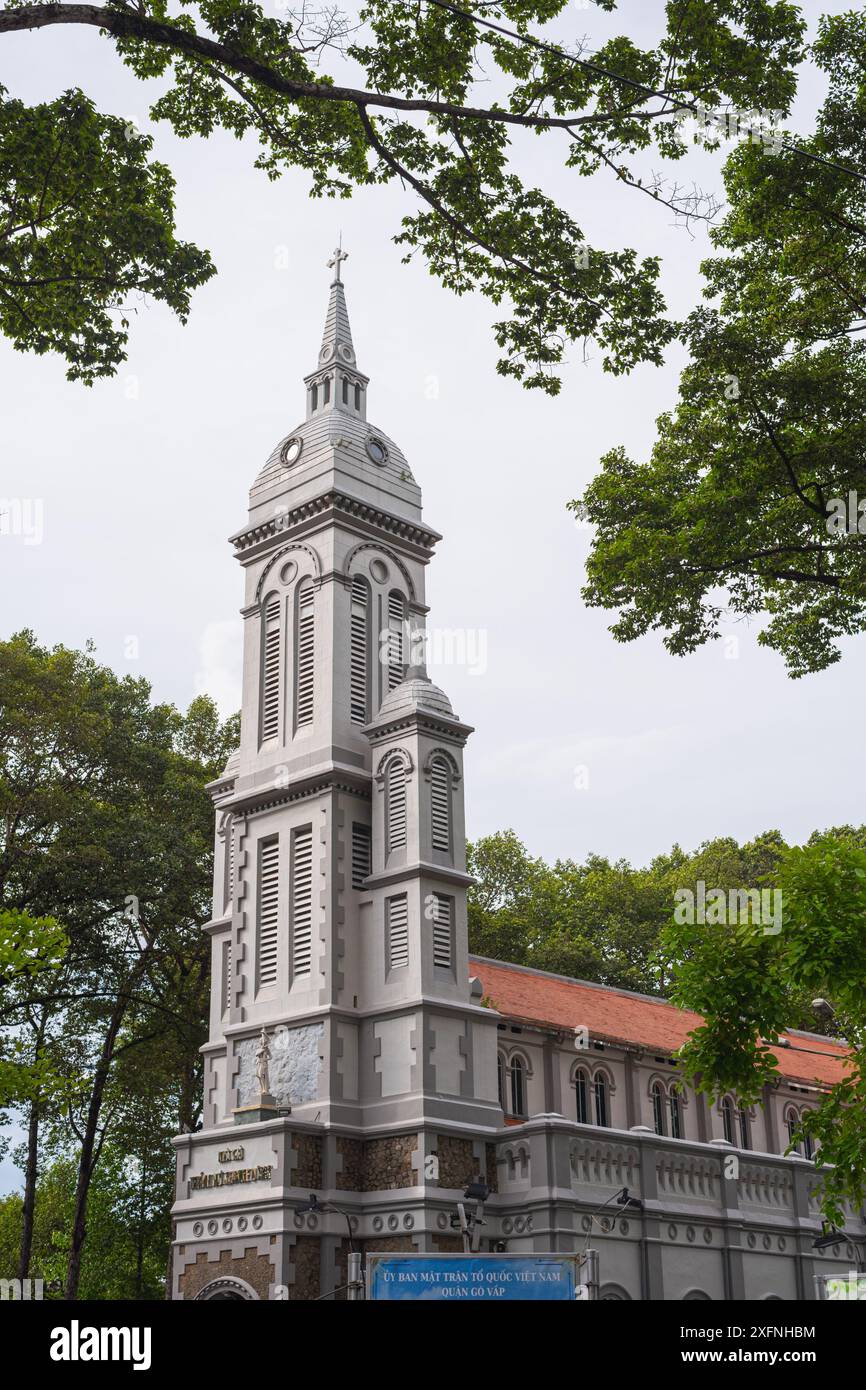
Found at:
<point>472,1278</point>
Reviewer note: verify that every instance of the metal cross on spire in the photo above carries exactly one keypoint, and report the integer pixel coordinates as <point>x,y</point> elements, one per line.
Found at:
<point>338,256</point>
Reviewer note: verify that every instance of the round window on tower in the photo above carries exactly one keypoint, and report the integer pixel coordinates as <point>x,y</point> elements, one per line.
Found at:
<point>377,451</point>
<point>291,451</point>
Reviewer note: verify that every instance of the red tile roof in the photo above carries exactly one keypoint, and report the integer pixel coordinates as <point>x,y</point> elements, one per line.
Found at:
<point>615,1015</point>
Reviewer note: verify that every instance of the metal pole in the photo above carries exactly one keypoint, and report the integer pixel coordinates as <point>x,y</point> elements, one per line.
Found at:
<point>592,1286</point>
<point>353,1271</point>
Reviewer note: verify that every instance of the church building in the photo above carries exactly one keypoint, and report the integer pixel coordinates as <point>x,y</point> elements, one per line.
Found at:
<point>356,1051</point>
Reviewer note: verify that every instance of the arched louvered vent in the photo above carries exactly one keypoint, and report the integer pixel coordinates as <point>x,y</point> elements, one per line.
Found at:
<point>302,901</point>
<point>361,856</point>
<point>269,908</point>
<point>442,933</point>
<point>398,931</point>
<point>270,722</point>
<point>305,664</point>
<point>440,795</point>
<point>396,654</point>
<point>395,804</point>
<point>359,680</point>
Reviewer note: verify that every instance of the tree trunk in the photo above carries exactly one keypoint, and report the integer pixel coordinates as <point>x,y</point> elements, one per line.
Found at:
<point>89,1155</point>
<point>30,1176</point>
<point>31,1171</point>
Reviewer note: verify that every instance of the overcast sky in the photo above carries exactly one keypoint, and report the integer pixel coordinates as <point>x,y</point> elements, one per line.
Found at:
<point>143,478</point>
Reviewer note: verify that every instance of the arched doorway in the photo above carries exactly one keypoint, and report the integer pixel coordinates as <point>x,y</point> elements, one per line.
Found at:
<point>227,1291</point>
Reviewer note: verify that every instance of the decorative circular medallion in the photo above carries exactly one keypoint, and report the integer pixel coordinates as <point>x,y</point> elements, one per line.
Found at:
<point>378,1223</point>
<point>212,1227</point>
<point>197,1229</point>
<point>376,450</point>
<point>243,1223</point>
<point>442,1221</point>
<point>752,1240</point>
<point>708,1236</point>
<point>690,1233</point>
<point>393,1223</point>
<point>409,1221</point>
<point>379,571</point>
<point>288,572</point>
<point>346,353</point>
<point>672,1231</point>
<point>227,1225</point>
<point>326,352</point>
<point>257,1223</point>
<point>623,1226</point>
<point>291,451</point>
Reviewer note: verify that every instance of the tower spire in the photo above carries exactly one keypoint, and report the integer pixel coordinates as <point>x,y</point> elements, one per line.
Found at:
<point>344,387</point>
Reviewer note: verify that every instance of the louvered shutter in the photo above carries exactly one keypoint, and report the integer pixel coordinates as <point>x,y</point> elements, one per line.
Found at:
<point>396,804</point>
<point>302,901</point>
<point>396,618</point>
<point>269,907</point>
<point>271,670</point>
<point>442,931</point>
<point>360,853</point>
<point>398,931</point>
<point>359,644</point>
<point>440,795</point>
<point>304,683</point>
<point>227,975</point>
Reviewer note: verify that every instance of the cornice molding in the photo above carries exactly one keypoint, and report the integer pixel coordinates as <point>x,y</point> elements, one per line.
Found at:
<point>250,542</point>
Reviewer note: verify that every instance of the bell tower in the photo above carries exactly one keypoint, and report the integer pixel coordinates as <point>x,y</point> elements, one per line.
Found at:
<point>339,919</point>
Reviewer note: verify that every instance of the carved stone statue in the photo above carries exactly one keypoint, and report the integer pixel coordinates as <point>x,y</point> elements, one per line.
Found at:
<point>262,1058</point>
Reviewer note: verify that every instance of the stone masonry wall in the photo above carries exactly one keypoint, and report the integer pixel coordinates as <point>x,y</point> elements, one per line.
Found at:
<point>252,1267</point>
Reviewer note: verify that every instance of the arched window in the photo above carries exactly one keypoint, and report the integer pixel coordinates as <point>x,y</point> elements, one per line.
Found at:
<point>305,654</point>
<point>600,1091</point>
<point>581,1096</point>
<point>805,1148</point>
<point>518,1086</point>
<point>269,719</point>
<point>357,397</point>
<point>345,390</point>
<point>359,656</point>
<point>658,1096</point>
<point>675,1106</point>
<point>745,1133</point>
<point>440,799</point>
<point>395,803</point>
<point>314,397</point>
<point>395,654</point>
<point>327,390</point>
<point>500,1077</point>
<point>727,1109</point>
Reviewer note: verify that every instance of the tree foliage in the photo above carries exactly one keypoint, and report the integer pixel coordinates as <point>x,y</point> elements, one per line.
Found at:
<point>753,500</point>
<point>441,92</point>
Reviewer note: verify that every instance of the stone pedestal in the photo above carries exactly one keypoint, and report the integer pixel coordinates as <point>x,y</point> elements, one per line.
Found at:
<point>264,1107</point>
